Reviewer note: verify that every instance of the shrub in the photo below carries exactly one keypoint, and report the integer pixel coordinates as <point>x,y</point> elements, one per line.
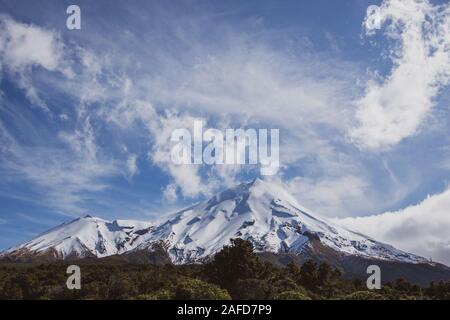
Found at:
<point>292,295</point>
<point>199,290</point>
<point>364,295</point>
<point>252,289</point>
<point>162,294</point>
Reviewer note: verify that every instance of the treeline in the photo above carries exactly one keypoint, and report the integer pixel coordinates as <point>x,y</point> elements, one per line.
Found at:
<point>235,273</point>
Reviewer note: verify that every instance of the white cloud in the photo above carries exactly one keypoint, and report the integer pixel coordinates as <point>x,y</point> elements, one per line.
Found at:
<point>159,127</point>
<point>66,171</point>
<point>394,107</point>
<point>331,197</point>
<point>23,47</point>
<point>252,82</point>
<point>187,177</point>
<point>305,96</point>
<point>422,229</point>
<point>170,193</point>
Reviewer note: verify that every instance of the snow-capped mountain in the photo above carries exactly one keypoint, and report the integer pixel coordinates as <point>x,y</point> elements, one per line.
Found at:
<point>261,212</point>
<point>269,217</point>
<point>84,237</point>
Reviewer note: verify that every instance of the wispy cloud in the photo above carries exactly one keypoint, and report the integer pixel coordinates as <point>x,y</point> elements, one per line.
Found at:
<point>60,176</point>
<point>305,94</point>
<point>24,47</point>
<point>68,164</point>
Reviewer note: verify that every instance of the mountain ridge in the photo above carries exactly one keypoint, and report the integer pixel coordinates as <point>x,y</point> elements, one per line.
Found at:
<point>261,212</point>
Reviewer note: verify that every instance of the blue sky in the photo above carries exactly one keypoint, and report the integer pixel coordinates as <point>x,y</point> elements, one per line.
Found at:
<point>363,114</point>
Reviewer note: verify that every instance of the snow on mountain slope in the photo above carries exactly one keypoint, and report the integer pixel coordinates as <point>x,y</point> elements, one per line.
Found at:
<point>84,237</point>
<point>261,212</point>
<point>265,214</point>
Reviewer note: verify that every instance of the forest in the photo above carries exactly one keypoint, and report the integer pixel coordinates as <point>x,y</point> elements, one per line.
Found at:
<point>236,272</point>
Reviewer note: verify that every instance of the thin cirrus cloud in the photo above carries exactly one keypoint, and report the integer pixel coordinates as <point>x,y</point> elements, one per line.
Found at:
<point>59,173</point>
<point>245,77</point>
<point>61,176</point>
<point>395,106</point>
<point>63,165</point>
<point>256,85</point>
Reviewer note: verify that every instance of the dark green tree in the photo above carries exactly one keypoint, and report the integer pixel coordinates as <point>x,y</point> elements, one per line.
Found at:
<point>309,275</point>
<point>199,290</point>
<point>253,289</point>
<point>234,262</point>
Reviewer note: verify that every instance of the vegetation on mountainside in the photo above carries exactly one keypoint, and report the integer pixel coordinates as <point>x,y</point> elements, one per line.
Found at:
<point>234,273</point>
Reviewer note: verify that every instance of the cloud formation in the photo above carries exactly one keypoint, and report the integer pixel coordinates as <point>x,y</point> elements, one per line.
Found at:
<point>24,47</point>
<point>396,105</point>
<point>422,228</point>
<point>61,176</point>
<point>331,196</point>
<point>60,163</point>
